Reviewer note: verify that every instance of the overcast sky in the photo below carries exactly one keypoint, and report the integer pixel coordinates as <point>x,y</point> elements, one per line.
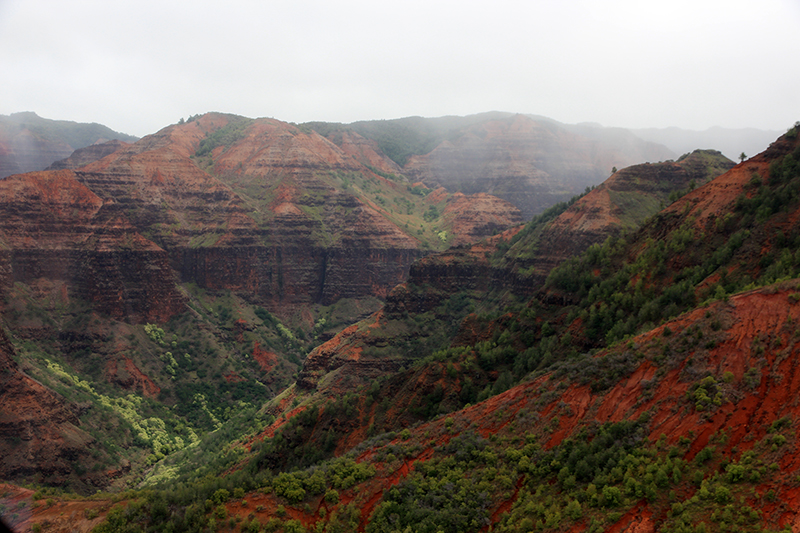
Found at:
<point>137,66</point>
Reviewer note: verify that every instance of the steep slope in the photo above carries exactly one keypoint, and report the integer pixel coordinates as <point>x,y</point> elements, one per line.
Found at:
<point>735,231</point>
<point>55,230</point>
<point>610,291</point>
<point>139,283</point>
<point>711,360</point>
<point>655,386</point>
<point>297,220</point>
<point>29,142</point>
<point>587,302</point>
<point>621,203</point>
<point>691,423</point>
<point>40,434</point>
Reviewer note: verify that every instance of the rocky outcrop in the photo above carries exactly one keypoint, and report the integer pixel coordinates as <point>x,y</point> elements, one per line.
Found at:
<point>274,214</point>
<point>479,216</point>
<point>57,229</point>
<point>344,362</point>
<point>279,213</point>
<point>365,151</point>
<point>477,270</point>
<point>124,373</point>
<point>623,202</point>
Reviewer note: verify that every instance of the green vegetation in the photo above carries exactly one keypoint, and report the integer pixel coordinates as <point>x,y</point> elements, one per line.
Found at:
<point>619,296</point>
<point>530,464</point>
<point>402,138</point>
<point>150,393</point>
<point>593,477</point>
<point>224,136</point>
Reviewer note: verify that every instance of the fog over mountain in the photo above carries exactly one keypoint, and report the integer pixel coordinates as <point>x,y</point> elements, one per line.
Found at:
<point>140,66</point>
<point>730,142</point>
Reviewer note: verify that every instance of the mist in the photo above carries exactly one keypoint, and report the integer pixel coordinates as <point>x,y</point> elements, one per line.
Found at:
<point>139,66</point>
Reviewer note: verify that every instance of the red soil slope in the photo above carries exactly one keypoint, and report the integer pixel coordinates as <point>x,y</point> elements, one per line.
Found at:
<point>749,347</point>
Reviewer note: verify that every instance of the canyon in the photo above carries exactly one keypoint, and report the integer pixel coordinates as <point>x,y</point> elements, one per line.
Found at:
<point>286,328</point>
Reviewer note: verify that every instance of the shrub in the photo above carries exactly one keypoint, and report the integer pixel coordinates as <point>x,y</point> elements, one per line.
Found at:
<point>735,472</point>
<point>704,455</point>
<point>332,496</point>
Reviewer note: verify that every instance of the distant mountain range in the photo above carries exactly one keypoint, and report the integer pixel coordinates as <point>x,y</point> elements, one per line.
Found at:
<point>529,160</point>
<point>29,142</point>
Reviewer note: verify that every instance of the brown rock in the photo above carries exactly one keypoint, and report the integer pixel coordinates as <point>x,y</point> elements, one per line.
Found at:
<point>56,228</point>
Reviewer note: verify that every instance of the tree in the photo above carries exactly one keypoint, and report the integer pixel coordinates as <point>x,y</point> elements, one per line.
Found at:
<point>742,157</point>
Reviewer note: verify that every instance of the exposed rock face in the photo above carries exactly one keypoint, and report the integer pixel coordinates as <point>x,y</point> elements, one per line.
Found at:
<point>437,277</point>
<point>479,216</point>
<point>364,151</point>
<point>55,228</point>
<point>532,164</point>
<point>624,201</point>
<point>127,375</point>
<point>272,218</point>
<point>39,433</point>
<point>224,247</point>
<point>342,363</point>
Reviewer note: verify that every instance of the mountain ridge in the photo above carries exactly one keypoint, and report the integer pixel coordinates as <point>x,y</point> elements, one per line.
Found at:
<point>193,269</point>
<point>30,143</point>
<point>531,376</point>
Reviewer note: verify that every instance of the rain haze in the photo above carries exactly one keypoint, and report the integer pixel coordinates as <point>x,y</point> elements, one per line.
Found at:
<point>139,66</point>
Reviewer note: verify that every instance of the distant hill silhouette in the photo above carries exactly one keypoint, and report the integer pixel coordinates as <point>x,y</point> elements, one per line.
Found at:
<point>29,142</point>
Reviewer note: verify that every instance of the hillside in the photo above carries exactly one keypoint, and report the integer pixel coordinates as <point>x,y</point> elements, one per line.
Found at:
<point>623,362</point>
<point>29,142</point>
<point>424,314</point>
<point>693,425</point>
<point>161,288</point>
<point>592,454</point>
<point>532,162</point>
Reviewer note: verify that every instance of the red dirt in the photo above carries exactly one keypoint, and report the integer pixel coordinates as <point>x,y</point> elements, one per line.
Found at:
<point>506,505</point>
<point>637,520</point>
<point>265,359</point>
<point>63,516</point>
<point>769,314</point>
<point>232,377</point>
<point>125,373</point>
